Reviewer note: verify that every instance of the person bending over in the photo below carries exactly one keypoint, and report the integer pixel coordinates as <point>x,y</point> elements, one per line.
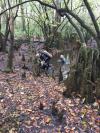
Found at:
<point>44,59</point>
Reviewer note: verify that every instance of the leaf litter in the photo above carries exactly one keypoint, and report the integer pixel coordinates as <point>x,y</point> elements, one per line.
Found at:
<point>37,105</point>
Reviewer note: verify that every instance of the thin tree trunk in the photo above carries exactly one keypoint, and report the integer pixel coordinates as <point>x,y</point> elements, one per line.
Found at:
<point>23,19</point>
<point>57,16</point>
<point>6,34</point>
<point>10,54</point>
<point>1,45</point>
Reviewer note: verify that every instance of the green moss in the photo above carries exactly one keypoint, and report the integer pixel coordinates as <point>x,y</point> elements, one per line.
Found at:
<point>8,70</point>
<point>85,74</point>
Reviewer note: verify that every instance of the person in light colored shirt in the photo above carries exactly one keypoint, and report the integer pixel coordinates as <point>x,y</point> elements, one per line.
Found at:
<point>64,68</point>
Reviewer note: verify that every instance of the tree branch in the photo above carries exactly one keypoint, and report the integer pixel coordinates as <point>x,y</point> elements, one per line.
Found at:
<point>76,28</point>
<point>92,17</point>
<point>42,3</point>
<point>67,10</point>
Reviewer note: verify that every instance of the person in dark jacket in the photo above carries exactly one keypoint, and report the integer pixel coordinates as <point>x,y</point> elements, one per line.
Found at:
<point>44,58</point>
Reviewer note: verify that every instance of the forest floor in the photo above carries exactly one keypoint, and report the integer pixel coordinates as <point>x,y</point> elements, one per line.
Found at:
<point>36,105</point>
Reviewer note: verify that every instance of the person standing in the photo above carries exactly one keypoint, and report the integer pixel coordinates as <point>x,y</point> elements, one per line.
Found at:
<point>63,72</point>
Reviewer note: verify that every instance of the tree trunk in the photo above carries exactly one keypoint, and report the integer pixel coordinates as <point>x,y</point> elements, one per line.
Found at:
<point>23,19</point>
<point>10,54</point>
<point>6,33</point>
<point>1,44</point>
<point>57,16</point>
<point>57,20</point>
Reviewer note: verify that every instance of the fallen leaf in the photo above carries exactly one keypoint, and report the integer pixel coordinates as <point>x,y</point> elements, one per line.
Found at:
<point>47,120</point>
